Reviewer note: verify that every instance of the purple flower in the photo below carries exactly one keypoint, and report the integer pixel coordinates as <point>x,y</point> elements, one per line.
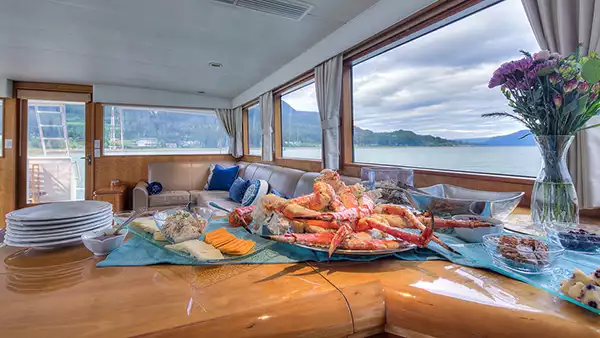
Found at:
<point>596,88</point>
<point>555,56</point>
<point>542,55</point>
<point>554,78</point>
<point>557,100</point>
<point>582,87</point>
<point>570,85</point>
<point>593,98</point>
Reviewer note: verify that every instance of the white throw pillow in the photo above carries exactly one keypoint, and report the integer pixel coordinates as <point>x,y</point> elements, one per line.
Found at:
<point>210,172</point>
<point>256,190</point>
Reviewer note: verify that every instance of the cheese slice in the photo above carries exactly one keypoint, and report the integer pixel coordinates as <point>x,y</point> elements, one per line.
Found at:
<point>147,225</point>
<point>197,249</point>
<point>158,236</point>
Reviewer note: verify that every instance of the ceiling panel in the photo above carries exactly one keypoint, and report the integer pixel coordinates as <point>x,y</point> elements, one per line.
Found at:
<point>157,44</point>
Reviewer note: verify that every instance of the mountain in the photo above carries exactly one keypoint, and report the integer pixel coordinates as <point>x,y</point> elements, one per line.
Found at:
<point>519,138</point>
<point>302,128</point>
<point>365,137</point>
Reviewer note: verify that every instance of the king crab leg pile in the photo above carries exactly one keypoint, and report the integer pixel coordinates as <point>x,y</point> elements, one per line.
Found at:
<point>336,215</point>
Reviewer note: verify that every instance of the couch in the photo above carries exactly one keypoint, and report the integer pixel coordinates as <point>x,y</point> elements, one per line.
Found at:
<point>184,182</point>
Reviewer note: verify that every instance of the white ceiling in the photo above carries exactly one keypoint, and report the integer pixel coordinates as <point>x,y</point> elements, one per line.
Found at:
<point>159,44</point>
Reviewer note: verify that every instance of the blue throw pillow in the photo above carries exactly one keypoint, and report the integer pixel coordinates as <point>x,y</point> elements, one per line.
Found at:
<point>277,193</point>
<point>222,178</point>
<point>154,188</point>
<point>238,189</point>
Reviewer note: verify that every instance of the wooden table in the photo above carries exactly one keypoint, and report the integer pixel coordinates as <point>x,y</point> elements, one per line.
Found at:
<point>63,294</point>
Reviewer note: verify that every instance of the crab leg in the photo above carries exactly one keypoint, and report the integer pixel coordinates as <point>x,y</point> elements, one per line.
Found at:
<point>381,225</point>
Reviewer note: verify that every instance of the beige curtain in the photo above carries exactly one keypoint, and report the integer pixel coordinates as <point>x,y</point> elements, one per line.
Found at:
<point>266,120</point>
<point>328,84</point>
<point>231,120</point>
<point>559,26</point>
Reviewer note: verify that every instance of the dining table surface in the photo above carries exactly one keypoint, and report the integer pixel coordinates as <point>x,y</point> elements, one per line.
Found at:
<point>61,293</point>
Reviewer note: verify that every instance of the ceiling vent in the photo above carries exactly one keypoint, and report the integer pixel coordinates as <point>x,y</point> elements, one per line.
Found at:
<point>291,9</point>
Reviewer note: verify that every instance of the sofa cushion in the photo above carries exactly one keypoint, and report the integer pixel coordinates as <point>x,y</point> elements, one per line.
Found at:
<point>284,180</point>
<point>173,197</point>
<point>182,175</point>
<point>203,197</point>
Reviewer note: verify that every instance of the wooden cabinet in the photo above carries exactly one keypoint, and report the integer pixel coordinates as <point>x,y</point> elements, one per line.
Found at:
<point>115,195</point>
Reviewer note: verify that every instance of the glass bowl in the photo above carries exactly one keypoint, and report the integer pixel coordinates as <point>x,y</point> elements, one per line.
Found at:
<point>575,237</point>
<point>522,253</point>
<point>161,216</point>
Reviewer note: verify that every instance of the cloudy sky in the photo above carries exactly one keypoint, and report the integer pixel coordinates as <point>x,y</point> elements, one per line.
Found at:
<point>437,84</point>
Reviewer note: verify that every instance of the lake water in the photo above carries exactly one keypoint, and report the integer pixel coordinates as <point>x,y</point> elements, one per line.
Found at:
<point>520,161</point>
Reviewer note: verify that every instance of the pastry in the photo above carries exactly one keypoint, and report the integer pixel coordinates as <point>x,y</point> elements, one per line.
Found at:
<point>197,249</point>
<point>591,296</point>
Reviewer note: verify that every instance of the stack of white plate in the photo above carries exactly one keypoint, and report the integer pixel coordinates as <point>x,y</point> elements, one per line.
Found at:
<point>53,225</point>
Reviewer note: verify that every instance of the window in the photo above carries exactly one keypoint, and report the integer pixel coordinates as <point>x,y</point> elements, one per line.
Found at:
<point>161,131</point>
<point>1,127</point>
<point>301,124</point>
<point>420,104</point>
<point>254,131</point>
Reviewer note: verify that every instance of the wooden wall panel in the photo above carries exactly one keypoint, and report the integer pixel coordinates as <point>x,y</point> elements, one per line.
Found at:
<point>8,162</point>
<point>132,169</point>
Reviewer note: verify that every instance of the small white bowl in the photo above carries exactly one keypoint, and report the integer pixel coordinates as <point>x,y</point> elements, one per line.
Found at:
<point>99,246</point>
<point>475,235</point>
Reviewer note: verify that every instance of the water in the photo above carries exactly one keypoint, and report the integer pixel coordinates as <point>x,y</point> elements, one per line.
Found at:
<point>520,161</point>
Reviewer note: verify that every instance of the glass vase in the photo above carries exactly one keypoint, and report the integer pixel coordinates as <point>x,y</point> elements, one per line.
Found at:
<point>554,199</point>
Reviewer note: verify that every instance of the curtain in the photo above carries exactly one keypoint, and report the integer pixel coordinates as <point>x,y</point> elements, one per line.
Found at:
<point>328,83</point>
<point>266,120</point>
<point>559,26</point>
<point>231,120</point>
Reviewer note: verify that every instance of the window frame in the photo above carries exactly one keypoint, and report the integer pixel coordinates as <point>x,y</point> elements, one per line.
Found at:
<point>246,130</point>
<point>423,22</point>
<point>100,121</point>
<point>277,102</point>
<point>301,81</point>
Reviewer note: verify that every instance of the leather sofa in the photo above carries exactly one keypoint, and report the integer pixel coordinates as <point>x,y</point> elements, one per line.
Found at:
<point>184,182</point>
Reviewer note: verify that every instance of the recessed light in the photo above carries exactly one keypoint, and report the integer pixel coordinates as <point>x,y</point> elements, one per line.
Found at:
<point>201,92</point>
<point>215,64</point>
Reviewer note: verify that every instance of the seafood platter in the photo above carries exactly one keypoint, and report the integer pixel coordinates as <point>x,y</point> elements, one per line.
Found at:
<point>344,219</point>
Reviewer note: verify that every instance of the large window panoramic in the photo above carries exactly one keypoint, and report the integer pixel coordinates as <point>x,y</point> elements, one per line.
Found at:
<point>420,104</point>
<point>254,131</point>
<point>301,124</point>
<point>162,131</point>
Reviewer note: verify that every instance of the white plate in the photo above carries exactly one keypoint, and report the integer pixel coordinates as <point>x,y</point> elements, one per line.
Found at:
<point>59,210</point>
<point>55,229</point>
<point>41,238</point>
<point>44,245</point>
<point>61,221</point>
<point>81,228</point>
<point>55,226</point>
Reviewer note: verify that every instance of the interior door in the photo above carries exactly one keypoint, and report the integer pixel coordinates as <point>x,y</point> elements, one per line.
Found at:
<point>54,157</point>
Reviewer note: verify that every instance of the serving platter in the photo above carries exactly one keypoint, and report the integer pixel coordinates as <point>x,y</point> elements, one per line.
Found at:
<point>53,237</point>
<point>407,247</point>
<point>261,243</point>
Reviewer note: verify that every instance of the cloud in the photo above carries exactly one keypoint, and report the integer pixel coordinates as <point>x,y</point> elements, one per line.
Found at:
<point>303,99</point>
<point>437,84</point>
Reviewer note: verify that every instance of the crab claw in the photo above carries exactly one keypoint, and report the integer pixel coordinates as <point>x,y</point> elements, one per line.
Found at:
<point>342,233</point>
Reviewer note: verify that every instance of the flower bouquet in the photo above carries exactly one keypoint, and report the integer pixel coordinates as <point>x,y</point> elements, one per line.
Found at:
<point>554,97</point>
